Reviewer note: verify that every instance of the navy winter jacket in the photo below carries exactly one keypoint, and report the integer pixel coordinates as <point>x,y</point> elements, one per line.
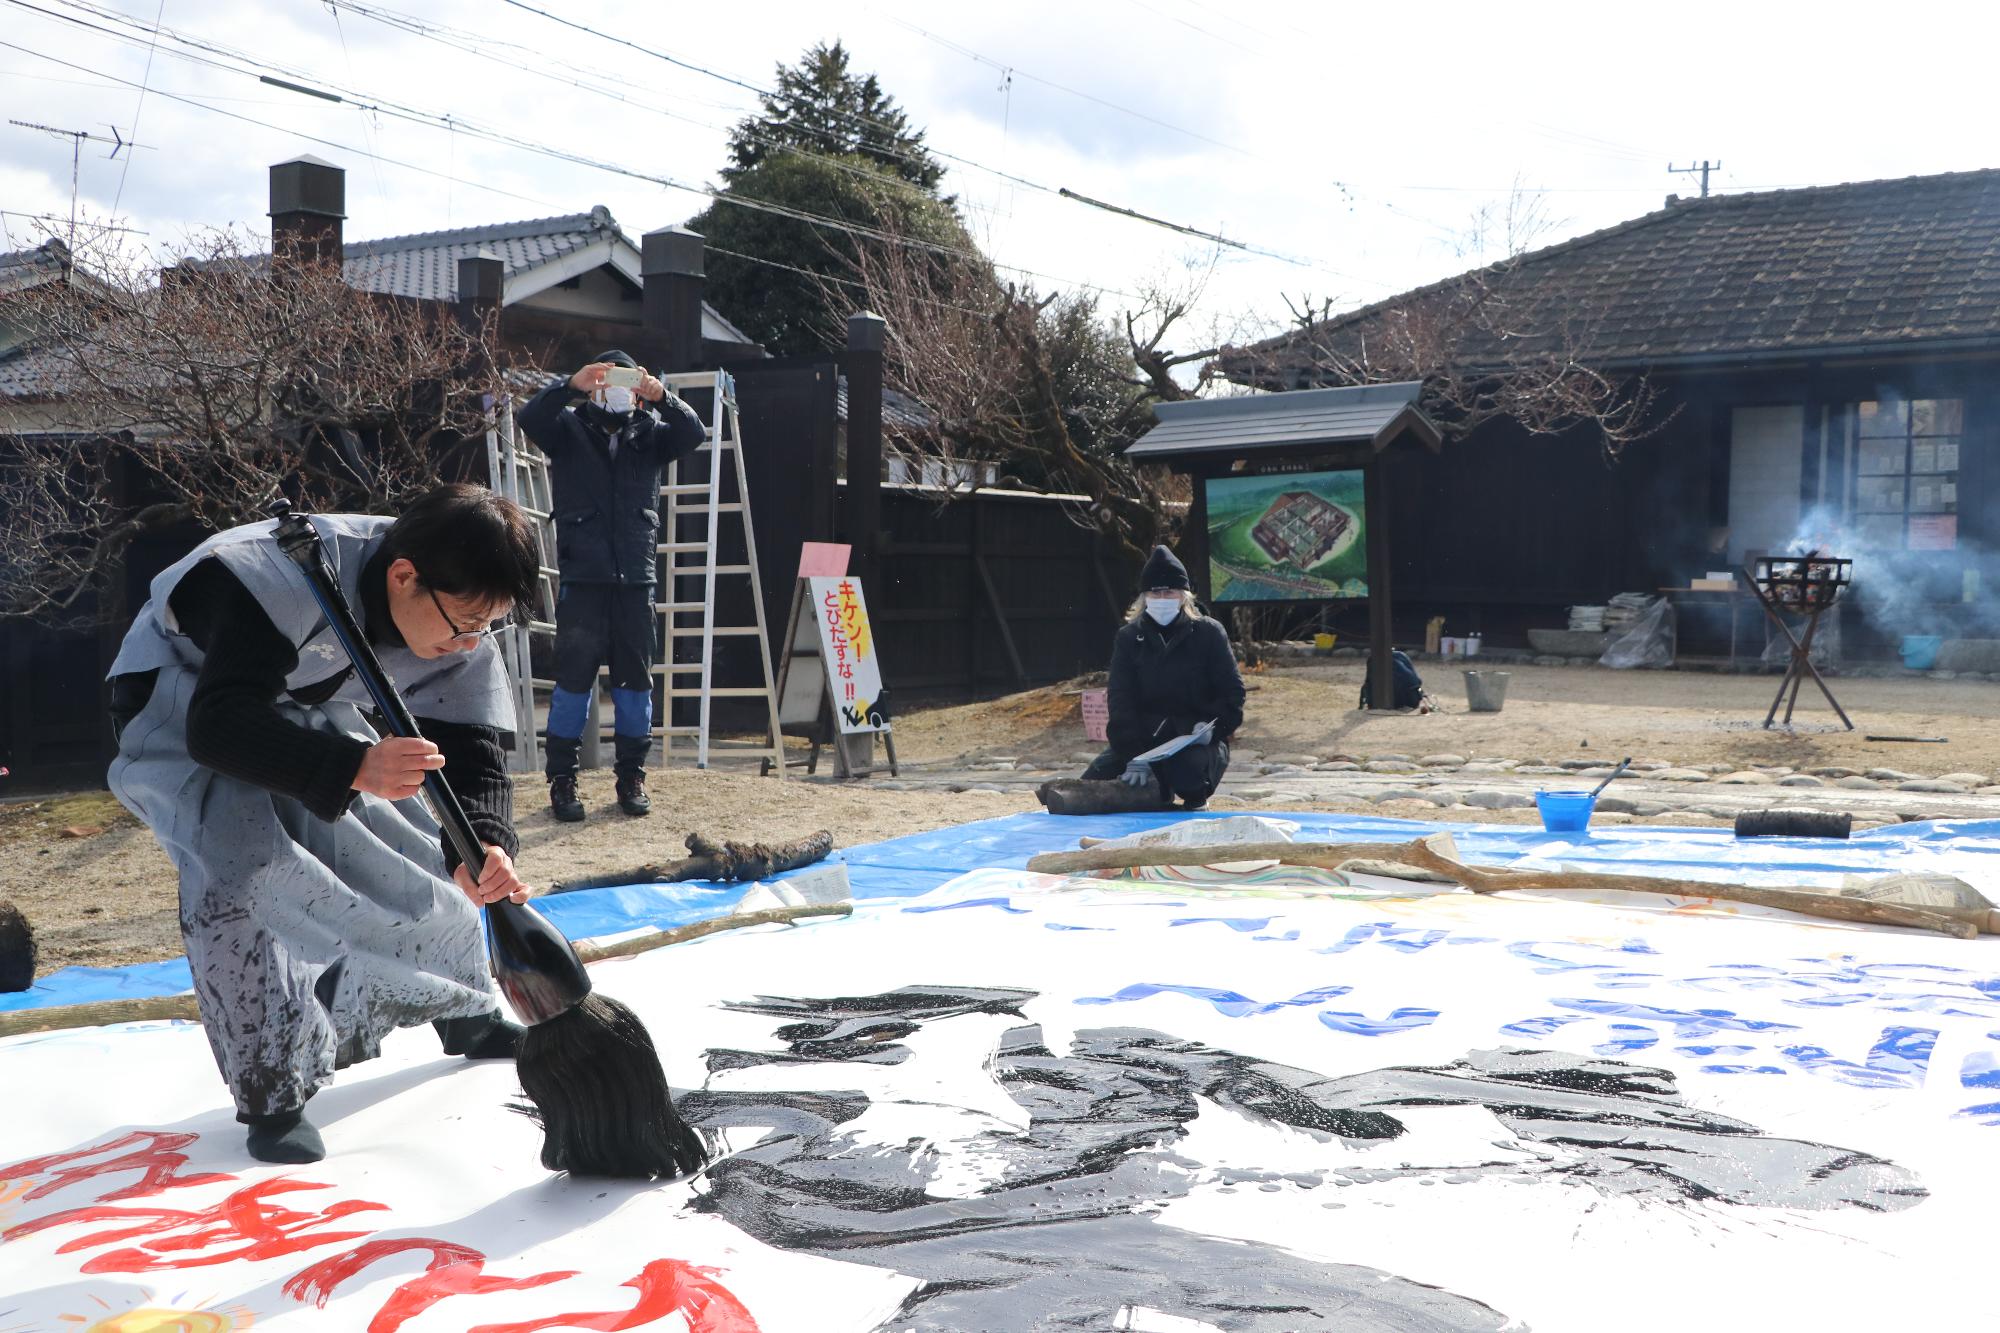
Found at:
<point>607,509</point>
<point>1165,680</point>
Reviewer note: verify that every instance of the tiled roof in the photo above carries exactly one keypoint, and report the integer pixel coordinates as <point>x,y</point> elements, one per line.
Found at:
<point>1777,272</point>
<point>899,410</point>
<point>425,265</point>
<point>20,269</point>
<point>1360,414</point>
<point>32,372</point>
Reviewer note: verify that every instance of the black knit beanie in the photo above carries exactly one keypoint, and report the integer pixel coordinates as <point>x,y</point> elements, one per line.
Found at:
<point>1163,571</point>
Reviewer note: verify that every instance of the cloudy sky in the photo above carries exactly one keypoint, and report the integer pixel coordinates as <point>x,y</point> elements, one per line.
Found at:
<point>1355,143</point>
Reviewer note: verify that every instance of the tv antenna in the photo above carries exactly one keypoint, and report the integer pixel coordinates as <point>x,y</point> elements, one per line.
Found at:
<point>1704,168</point>
<point>77,139</point>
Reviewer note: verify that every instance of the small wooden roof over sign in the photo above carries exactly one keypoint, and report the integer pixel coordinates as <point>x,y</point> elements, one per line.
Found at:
<point>1372,415</point>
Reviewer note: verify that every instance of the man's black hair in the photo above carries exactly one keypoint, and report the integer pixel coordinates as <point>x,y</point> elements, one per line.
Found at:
<point>468,542</point>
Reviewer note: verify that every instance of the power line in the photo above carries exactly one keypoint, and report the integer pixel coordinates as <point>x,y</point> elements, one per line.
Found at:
<point>263,124</point>
<point>144,79</point>
<point>511,141</point>
<point>971,54</point>
<point>1058,191</point>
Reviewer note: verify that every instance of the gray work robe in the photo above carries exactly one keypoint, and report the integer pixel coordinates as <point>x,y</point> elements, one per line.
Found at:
<point>309,940</point>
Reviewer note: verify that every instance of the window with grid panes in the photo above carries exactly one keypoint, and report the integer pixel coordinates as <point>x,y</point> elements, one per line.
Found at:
<point>1905,484</point>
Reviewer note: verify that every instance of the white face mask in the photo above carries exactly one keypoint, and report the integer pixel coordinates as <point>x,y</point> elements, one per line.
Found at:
<point>616,398</point>
<point>1163,609</point>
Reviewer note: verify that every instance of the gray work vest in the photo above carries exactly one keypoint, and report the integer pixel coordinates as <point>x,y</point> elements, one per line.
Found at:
<point>458,687</point>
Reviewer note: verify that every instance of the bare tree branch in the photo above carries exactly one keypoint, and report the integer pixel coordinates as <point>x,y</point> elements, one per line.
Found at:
<point>207,393</point>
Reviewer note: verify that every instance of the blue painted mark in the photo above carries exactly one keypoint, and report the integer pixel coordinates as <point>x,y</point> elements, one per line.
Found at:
<point>1688,1024</point>
<point>1285,938</point>
<point>1228,1003</point>
<point>1000,903</point>
<point>1057,925</point>
<point>1987,1113</point>
<point>1399,1020</point>
<point>1405,939</point>
<point>1741,1069</point>
<point>1715,1050</point>
<point>1635,1038</point>
<point>1472,939</point>
<point>1531,951</point>
<point>1981,1069</point>
<point>1898,1059</point>
<point>1242,925</point>
<point>1540,1027</point>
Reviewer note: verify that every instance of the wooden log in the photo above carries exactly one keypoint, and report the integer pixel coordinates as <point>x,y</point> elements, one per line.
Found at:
<point>1437,853</point>
<point>712,860</point>
<point>1079,796</point>
<point>1328,854</point>
<point>102,1013</point>
<point>1963,923</point>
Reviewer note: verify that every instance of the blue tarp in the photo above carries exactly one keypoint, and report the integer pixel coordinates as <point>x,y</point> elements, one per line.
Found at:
<point>906,867</point>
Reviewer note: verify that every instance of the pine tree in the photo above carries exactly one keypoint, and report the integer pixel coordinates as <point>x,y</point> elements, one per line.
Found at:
<point>819,107</point>
<point>839,148</point>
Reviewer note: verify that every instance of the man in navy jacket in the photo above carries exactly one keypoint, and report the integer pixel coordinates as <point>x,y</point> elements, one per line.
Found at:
<point>608,445</point>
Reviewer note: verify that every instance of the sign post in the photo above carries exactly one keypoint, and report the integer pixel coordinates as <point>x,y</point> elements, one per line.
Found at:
<point>841,702</point>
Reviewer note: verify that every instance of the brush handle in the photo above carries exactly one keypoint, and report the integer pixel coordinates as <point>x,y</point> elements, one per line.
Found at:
<point>298,540</point>
<point>1623,764</point>
<point>535,966</point>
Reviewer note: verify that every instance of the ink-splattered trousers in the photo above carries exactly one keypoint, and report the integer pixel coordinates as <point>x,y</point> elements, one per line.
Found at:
<point>309,940</point>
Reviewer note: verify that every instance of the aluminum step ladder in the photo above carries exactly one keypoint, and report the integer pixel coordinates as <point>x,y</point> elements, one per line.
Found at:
<point>520,471</point>
<point>705,503</point>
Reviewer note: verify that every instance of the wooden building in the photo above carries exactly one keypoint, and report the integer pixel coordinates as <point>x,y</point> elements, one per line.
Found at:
<point>973,593</point>
<point>1825,361</point>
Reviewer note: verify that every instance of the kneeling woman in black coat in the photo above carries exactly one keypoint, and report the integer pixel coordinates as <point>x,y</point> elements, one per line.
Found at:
<point>1172,674</point>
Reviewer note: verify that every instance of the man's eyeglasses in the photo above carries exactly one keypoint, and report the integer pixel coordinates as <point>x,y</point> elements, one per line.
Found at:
<point>464,635</point>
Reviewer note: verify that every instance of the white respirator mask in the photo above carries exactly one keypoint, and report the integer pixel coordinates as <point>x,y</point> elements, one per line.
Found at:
<point>1163,609</point>
<point>616,399</point>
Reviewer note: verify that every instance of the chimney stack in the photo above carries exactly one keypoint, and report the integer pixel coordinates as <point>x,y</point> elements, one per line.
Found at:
<point>482,284</point>
<point>308,205</point>
<point>672,274</point>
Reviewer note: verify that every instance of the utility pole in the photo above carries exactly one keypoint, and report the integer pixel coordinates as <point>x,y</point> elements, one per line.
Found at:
<point>77,139</point>
<point>1705,167</point>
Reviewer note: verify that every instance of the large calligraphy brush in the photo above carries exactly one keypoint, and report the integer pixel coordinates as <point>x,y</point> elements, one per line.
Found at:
<point>586,1062</point>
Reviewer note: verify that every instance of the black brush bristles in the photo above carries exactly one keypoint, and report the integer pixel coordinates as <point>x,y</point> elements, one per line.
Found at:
<point>595,1084</point>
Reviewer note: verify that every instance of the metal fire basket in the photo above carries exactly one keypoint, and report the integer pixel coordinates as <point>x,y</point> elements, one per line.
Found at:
<point>1806,585</point>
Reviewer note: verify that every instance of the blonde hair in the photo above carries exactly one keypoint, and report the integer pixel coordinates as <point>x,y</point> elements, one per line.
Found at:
<point>1188,606</point>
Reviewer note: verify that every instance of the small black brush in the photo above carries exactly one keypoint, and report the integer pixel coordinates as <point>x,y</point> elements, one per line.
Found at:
<point>586,1062</point>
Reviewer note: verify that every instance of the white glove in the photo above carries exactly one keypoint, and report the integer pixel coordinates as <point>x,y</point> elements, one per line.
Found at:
<point>1203,732</point>
<point>1137,774</point>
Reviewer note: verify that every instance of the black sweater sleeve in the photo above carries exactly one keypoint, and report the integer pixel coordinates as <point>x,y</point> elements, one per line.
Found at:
<point>475,768</point>
<point>233,724</point>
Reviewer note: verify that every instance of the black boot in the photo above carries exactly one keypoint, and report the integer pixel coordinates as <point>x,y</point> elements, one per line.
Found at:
<point>561,768</point>
<point>630,766</point>
<point>481,1037</point>
<point>286,1137</point>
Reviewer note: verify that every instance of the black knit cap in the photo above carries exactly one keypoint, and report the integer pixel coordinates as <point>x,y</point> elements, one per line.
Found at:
<point>1163,571</point>
<point>618,358</point>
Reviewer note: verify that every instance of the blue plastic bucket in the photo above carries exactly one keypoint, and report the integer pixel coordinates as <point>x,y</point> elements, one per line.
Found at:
<point>1565,811</point>
<point>1920,651</point>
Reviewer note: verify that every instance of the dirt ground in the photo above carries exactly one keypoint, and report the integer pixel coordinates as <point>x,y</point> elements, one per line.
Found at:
<point>98,891</point>
<point>1551,713</point>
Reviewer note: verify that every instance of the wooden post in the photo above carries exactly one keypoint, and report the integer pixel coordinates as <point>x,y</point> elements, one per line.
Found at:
<point>863,364</point>
<point>1381,665</point>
